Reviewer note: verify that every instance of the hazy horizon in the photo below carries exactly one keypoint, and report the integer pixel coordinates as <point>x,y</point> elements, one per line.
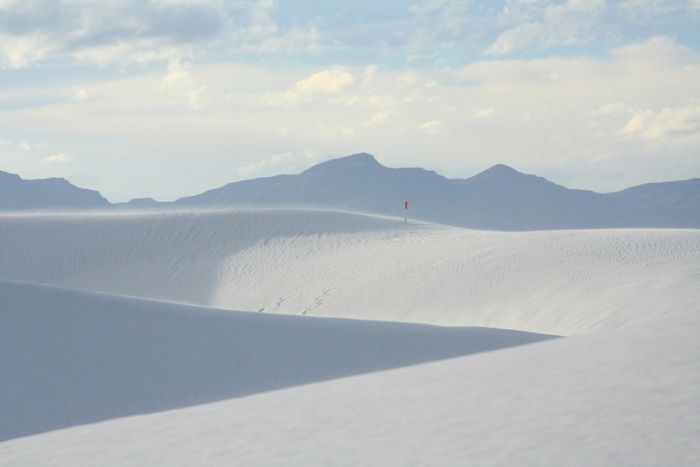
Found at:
<point>297,172</point>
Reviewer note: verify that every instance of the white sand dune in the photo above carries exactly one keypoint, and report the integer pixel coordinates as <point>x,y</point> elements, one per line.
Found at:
<point>170,256</point>
<point>308,391</point>
<point>338,264</point>
<point>70,357</point>
<point>615,397</point>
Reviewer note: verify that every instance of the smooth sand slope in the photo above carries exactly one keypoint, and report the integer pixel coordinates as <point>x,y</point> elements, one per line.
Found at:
<point>70,357</point>
<point>170,256</point>
<point>340,264</point>
<point>621,391</point>
<point>615,397</point>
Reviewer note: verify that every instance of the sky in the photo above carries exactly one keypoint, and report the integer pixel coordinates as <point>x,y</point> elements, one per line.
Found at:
<point>168,98</point>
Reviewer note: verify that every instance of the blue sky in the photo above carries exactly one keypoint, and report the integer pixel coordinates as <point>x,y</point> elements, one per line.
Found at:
<point>167,98</point>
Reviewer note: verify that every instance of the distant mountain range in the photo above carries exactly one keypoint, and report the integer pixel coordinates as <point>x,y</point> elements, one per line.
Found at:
<point>499,198</point>
<point>52,193</point>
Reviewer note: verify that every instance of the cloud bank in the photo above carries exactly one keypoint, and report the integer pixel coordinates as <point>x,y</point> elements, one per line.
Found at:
<point>195,94</point>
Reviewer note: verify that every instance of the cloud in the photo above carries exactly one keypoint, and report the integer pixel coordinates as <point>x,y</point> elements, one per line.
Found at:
<point>103,32</point>
<point>559,114</point>
<point>324,82</point>
<point>278,163</point>
<point>143,33</point>
<point>328,81</point>
<point>80,94</point>
<point>515,38</point>
<point>438,25</point>
<point>329,132</point>
<point>431,127</point>
<point>130,52</point>
<point>59,158</point>
<point>484,112</point>
<point>23,51</point>
<point>182,88</point>
<point>263,33</point>
<point>660,49</point>
<point>571,22</point>
<point>29,147</point>
<point>381,117</point>
<point>295,40</point>
<point>650,9</point>
<point>609,108</point>
<point>665,125</point>
<point>132,32</point>
<point>369,73</point>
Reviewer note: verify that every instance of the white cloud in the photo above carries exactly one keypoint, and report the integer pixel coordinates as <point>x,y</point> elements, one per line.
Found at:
<point>328,81</point>
<point>126,52</point>
<point>555,127</point>
<point>381,117</point>
<point>295,40</point>
<point>609,108</point>
<point>484,112</point>
<point>370,72</point>
<point>431,127</point>
<point>31,147</point>
<point>80,94</point>
<point>332,132</point>
<point>658,49</point>
<point>324,82</point>
<point>571,22</point>
<point>103,32</point>
<point>261,20</point>
<point>648,9</point>
<point>59,158</point>
<point>439,24</point>
<point>276,164</point>
<point>127,33</point>
<point>182,88</point>
<point>666,125</point>
<point>24,50</point>
<point>515,38</point>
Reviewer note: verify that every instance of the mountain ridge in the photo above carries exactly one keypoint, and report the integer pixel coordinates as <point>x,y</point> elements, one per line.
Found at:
<point>498,198</point>
<point>17,193</point>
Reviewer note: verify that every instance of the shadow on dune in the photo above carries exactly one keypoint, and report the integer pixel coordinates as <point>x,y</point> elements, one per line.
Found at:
<point>69,357</point>
<point>173,256</point>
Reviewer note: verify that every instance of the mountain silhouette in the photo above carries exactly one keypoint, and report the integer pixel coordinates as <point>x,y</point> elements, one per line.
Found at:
<point>51,193</point>
<point>499,198</point>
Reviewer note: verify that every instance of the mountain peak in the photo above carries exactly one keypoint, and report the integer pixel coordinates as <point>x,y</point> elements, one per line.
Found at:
<point>9,176</point>
<point>501,169</point>
<point>360,160</point>
<point>17,193</point>
<point>501,175</point>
